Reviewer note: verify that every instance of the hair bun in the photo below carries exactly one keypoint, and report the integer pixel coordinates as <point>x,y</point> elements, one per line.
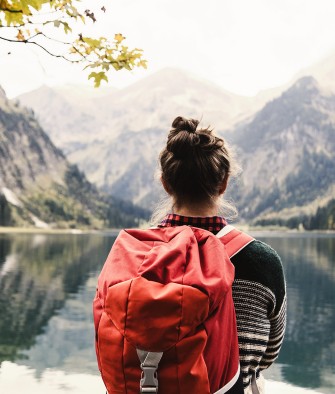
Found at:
<point>184,139</point>
<point>183,124</point>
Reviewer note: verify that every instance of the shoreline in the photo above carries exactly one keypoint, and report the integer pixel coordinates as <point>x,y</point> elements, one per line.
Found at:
<point>74,231</point>
<point>273,231</point>
<point>21,378</point>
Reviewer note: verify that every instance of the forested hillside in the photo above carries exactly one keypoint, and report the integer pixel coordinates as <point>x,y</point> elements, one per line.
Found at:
<point>287,156</point>
<point>39,187</point>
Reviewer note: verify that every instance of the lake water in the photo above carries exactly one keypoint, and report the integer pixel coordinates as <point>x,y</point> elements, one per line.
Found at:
<point>47,283</point>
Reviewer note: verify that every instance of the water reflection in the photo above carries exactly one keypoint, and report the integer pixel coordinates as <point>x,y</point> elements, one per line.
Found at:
<point>47,284</point>
<point>307,356</point>
<point>37,275</point>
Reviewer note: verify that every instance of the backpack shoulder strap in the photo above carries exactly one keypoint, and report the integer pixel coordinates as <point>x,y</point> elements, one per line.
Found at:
<point>233,239</point>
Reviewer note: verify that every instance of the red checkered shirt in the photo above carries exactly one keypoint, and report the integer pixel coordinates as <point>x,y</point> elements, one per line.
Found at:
<point>211,223</point>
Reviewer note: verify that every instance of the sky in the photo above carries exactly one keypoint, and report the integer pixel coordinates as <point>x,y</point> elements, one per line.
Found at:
<point>242,45</point>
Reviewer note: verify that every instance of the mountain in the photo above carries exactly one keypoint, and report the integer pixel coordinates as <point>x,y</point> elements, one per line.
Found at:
<point>74,121</point>
<point>285,146</point>
<point>112,137</point>
<point>38,186</point>
<point>66,113</point>
<point>287,152</point>
<point>323,71</point>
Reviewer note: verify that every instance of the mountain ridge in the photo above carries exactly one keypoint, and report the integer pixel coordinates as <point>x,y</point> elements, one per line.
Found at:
<point>148,103</point>
<point>287,154</point>
<point>278,145</point>
<point>39,187</point>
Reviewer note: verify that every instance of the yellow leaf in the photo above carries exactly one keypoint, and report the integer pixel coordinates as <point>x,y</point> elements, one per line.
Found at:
<point>13,18</point>
<point>98,77</point>
<point>143,63</point>
<point>119,38</point>
<point>20,35</point>
<point>67,27</point>
<point>92,42</point>
<point>73,50</point>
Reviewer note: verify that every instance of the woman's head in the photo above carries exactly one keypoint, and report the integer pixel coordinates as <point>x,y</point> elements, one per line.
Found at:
<point>195,164</point>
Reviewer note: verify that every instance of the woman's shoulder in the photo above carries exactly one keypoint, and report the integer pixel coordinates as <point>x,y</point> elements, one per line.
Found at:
<point>258,262</point>
<point>261,253</point>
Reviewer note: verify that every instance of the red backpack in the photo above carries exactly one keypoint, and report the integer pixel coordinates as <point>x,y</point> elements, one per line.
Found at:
<point>164,315</point>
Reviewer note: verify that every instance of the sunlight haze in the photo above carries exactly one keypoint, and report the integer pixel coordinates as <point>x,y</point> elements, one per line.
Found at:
<point>240,45</point>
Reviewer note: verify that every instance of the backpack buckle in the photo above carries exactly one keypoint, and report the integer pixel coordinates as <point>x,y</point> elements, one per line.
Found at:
<point>149,364</point>
<point>149,381</point>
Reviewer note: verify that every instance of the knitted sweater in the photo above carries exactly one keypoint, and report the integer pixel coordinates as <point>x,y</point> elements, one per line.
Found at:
<point>260,304</point>
<point>259,294</point>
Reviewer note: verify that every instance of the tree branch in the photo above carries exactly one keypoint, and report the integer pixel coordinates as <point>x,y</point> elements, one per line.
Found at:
<point>81,54</point>
<point>21,25</point>
<point>10,40</point>
<point>10,10</point>
<point>35,35</point>
<point>42,47</point>
<point>54,39</point>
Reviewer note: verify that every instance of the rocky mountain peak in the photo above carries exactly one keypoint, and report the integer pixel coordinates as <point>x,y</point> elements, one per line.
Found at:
<point>2,92</point>
<point>302,105</point>
<point>307,85</point>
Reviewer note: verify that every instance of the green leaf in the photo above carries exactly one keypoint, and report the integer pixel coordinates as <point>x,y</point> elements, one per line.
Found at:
<point>142,63</point>
<point>67,27</point>
<point>92,65</point>
<point>13,18</point>
<point>98,77</point>
<point>37,5</point>
<point>92,42</point>
<point>26,5</point>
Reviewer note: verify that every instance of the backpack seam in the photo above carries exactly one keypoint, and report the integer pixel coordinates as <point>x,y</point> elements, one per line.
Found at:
<point>124,338</point>
<point>182,304</point>
<point>97,298</point>
<point>182,295</point>
<point>144,257</point>
<point>178,369</point>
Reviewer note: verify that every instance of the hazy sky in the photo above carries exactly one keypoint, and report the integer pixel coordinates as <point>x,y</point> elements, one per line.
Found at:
<point>242,45</point>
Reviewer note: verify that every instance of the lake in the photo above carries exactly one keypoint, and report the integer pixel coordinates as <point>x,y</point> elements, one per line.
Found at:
<point>47,283</point>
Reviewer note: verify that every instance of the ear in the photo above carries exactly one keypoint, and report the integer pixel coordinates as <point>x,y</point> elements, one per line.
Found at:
<point>166,186</point>
<point>224,185</point>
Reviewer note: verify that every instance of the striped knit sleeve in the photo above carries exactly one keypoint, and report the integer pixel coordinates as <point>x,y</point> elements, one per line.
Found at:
<point>277,330</point>
<point>259,294</point>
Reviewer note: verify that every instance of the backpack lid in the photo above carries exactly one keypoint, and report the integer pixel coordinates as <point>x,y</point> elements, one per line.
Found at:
<point>153,316</point>
<point>182,254</point>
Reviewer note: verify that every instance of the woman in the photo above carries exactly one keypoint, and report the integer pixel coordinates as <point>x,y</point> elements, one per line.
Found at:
<point>195,168</point>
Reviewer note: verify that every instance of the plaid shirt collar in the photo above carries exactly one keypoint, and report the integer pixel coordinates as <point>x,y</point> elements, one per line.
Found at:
<point>211,223</point>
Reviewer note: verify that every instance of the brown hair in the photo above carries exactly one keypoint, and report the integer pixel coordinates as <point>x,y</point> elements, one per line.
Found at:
<point>195,163</point>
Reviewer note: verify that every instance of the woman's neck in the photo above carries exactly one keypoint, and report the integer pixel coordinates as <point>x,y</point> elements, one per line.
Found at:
<point>196,210</point>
